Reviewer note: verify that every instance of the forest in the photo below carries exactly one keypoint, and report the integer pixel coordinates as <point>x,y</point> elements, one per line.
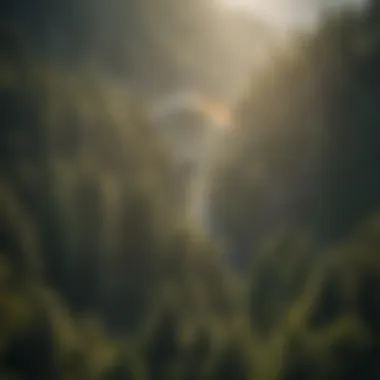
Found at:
<point>102,277</point>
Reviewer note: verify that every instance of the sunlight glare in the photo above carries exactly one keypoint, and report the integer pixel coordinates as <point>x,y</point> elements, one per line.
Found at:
<point>282,14</point>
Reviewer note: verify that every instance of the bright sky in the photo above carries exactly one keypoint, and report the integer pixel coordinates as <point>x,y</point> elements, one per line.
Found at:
<point>287,12</point>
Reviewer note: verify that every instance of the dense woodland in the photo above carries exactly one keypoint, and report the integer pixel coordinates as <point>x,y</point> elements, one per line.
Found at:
<point>102,278</point>
<point>156,45</point>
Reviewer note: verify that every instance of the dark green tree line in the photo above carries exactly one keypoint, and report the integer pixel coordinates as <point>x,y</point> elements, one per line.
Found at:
<point>306,150</point>
<point>101,278</point>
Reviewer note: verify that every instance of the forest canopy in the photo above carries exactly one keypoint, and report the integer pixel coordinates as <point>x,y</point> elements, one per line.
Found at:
<point>101,277</point>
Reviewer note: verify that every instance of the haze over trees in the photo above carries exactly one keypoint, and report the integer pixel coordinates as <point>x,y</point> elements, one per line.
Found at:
<point>153,46</point>
<point>101,277</point>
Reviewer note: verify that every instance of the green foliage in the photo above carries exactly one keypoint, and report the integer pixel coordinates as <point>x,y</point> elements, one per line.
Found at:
<point>306,151</point>
<point>332,330</point>
<point>106,275</point>
<point>100,278</point>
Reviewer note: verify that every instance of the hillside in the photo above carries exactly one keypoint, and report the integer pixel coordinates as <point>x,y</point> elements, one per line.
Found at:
<point>103,278</point>
<point>156,47</point>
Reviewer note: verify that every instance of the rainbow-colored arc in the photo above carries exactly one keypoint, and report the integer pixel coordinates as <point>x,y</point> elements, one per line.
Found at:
<point>214,111</point>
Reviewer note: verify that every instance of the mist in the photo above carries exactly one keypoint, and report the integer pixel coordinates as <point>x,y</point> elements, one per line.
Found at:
<point>189,190</point>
